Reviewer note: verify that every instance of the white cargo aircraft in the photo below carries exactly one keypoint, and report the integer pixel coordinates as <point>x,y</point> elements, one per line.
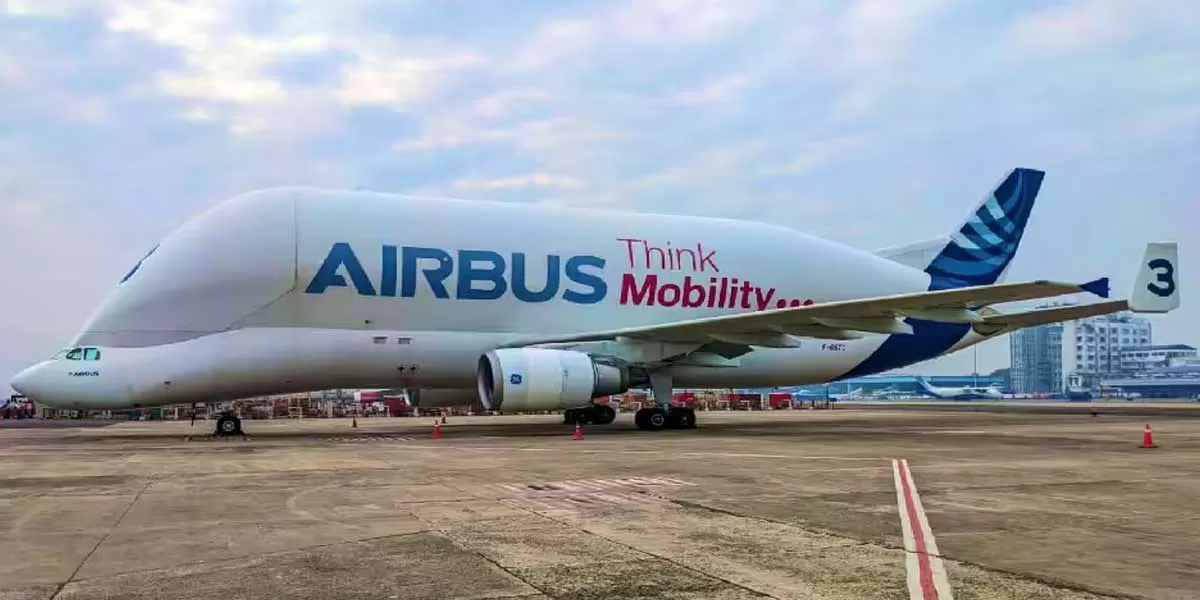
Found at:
<point>960,393</point>
<point>522,307</point>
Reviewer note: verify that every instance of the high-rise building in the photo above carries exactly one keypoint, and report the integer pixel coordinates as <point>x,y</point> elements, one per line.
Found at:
<point>1043,358</point>
<point>1036,355</point>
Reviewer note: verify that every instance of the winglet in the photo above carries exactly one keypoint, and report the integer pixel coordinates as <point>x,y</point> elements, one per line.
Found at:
<point>1157,286</point>
<point>1098,287</point>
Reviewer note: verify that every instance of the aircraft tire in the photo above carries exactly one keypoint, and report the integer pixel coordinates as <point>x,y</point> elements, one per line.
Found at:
<point>229,425</point>
<point>651,419</point>
<point>579,416</point>
<point>681,417</point>
<point>603,415</point>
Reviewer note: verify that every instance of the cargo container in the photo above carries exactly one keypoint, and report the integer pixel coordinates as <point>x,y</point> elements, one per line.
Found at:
<point>779,400</point>
<point>743,401</point>
<point>684,398</point>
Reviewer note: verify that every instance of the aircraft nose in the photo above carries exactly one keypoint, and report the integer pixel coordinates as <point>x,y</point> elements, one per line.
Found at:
<point>29,382</point>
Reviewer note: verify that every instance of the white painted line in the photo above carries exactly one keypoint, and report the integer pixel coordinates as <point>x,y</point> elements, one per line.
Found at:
<point>952,431</point>
<point>927,579</point>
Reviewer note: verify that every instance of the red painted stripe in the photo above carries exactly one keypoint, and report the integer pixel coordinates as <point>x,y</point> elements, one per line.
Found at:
<point>927,588</point>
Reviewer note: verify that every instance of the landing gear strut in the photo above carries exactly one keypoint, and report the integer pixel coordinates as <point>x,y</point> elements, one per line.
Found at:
<point>664,416</point>
<point>229,424</point>
<point>599,414</point>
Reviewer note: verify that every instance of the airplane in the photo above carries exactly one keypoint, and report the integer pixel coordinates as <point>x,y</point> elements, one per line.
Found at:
<point>853,394</point>
<point>960,393</point>
<point>525,307</point>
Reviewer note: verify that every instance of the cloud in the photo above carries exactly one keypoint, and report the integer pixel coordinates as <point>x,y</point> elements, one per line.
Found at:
<point>1082,26</point>
<point>870,122</point>
<point>398,82</point>
<point>517,181</point>
<point>718,91</point>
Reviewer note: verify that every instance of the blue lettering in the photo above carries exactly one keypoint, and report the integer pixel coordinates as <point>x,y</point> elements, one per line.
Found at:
<point>327,276</point>
<point>593,280</point>
<point>387,282</point>
<point>482,275</point>
<point>468,274</point>
<point>520,281</point>
<point>436,276</point>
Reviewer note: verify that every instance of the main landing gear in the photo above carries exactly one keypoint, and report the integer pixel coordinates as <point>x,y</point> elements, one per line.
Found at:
<point>229,424</point>
<point>664,416</point>
<point>658,418</point>
<point>599,414</point>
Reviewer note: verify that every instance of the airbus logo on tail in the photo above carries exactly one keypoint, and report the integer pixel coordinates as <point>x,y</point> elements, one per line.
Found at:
<point>478,275</point>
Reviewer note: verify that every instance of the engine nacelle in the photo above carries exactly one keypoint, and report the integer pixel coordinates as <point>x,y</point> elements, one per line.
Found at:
<point>528,379</point>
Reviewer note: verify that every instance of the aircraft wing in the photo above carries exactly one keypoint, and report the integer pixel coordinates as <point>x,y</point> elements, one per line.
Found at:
<point>846,319</point>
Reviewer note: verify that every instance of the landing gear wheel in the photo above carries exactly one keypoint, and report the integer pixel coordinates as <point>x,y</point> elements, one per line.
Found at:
<point>681,417</point>
<point>229,425</point>
<point>650,419</point>
<point>574,416</point>
<point>603,415</point>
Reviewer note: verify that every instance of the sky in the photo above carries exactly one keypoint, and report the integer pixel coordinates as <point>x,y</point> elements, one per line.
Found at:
<point>873,123</point>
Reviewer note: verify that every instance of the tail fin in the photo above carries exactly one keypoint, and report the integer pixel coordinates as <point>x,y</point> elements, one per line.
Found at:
<point>926,386</point>
<point>1157,287</point>
<point>980,251</point>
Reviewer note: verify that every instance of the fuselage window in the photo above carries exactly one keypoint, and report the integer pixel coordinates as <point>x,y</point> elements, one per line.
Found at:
<point>91,354</point>
<point>75,354</point>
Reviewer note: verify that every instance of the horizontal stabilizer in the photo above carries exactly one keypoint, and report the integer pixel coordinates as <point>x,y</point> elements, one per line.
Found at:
<point>1045,316</point>
<point>1155,291</point>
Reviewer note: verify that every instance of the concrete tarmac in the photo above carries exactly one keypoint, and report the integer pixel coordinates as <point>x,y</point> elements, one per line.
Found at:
<point>784,504</point>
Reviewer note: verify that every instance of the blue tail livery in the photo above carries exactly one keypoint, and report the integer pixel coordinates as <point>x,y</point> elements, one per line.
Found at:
<point>980,251</point>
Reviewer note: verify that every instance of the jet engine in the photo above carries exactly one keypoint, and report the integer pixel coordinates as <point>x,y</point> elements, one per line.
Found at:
<point>529,379</point>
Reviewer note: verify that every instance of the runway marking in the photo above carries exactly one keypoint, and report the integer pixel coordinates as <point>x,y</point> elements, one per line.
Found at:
<point>957,431</point>
<point>561,450</point>
<point>564,504</point>
<point>573,495</point>
<point>581,487</point>
<point>370,438</point>
<point>927,579</point>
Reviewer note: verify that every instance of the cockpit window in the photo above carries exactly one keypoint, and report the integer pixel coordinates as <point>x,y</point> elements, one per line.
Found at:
<point>80,354</point>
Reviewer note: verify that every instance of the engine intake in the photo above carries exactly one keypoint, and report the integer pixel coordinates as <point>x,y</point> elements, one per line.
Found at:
<point>528,379</point>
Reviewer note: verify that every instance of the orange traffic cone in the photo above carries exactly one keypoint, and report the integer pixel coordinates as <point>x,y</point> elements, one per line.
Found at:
<point>437,430</point>
<point>578,432</point>
<point>1148,438</point>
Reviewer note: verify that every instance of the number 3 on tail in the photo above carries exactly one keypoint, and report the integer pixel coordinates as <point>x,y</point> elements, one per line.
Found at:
<point>1165,284</point>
